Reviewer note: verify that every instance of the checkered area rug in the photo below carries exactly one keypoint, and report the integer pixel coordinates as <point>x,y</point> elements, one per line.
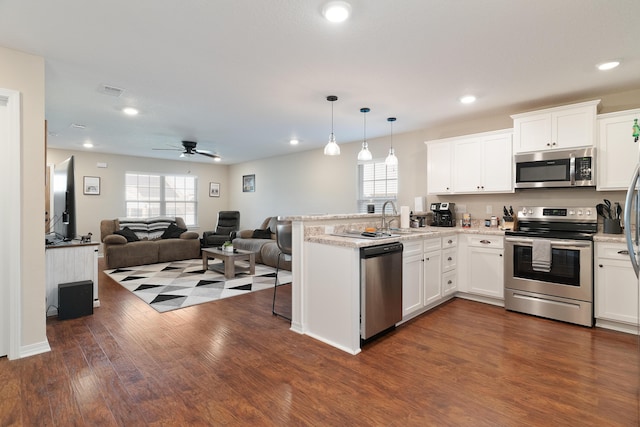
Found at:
<point>172,285</point>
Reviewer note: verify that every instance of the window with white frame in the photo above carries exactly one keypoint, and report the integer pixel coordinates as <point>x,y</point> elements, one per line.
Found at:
<point>151,195</point>
<point>377,183</point>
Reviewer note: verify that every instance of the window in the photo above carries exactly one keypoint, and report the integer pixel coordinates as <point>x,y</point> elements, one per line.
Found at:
<point>148,195</point>
<point>377,183</point>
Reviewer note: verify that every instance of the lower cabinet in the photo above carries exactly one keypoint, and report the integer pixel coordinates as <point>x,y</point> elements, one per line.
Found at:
<point>484,266</point>
<point>616,286</point>
<point>428,274</point>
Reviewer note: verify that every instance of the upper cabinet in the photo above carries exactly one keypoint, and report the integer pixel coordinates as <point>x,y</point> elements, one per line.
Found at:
<point>617,153</point>
<point>439,163</point>
<point>563,127</point>
<point>479,163</point>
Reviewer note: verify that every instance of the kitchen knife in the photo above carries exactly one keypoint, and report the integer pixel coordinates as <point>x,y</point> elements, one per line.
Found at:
<point>600,208</point>
<point>618,211</point>
<point>506,212</point>
<point>608,207</point>
<point>510,210</point>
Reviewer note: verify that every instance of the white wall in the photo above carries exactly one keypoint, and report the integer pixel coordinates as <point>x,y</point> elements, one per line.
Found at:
<point>25,73</point>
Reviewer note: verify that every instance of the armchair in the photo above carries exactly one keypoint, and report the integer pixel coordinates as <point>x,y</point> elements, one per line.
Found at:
<point>228,224</point>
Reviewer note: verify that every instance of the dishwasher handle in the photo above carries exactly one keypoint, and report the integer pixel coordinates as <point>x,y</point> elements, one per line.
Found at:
<point>373,251</point>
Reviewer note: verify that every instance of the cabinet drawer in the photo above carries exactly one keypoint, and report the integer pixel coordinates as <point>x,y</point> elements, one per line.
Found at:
<point>449,241</point>
<point>449,284</point>
<point>412,248</point>
<point>485,241</point>
<point>449,259</point>
<point>612,251</point>
<point>432,244</point>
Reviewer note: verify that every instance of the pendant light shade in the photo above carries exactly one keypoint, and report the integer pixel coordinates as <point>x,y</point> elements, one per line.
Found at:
<point>391,160</point>
<point>332,148</point>
<point>365,154</point>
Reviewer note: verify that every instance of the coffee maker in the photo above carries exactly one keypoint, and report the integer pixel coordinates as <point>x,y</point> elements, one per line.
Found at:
<point>444,214</point>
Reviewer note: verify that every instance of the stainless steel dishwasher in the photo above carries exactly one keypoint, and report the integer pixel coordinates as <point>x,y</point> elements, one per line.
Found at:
<point>380,288</point>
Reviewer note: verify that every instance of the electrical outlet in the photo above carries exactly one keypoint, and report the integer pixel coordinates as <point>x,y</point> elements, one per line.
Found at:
<point>489,209</point>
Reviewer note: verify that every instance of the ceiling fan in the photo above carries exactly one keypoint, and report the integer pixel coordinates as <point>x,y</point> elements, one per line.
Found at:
<point>189,148</point>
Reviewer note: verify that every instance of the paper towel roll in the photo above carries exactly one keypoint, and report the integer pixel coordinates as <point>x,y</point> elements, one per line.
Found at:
<point>404,216</point>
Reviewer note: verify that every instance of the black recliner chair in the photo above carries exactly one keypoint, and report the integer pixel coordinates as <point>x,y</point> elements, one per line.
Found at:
<point>228,225</point>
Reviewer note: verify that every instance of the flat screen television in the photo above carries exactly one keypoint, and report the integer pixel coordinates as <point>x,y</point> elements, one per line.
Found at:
<point>64,201</point>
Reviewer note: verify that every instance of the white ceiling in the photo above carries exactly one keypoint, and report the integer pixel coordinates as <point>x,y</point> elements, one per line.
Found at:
<point>242,77</point>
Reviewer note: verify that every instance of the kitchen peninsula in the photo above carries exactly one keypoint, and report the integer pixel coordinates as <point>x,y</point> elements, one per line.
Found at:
<point>326,271</point>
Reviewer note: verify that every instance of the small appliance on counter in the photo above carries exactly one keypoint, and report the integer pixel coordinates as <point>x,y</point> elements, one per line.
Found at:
<point>444,214</point>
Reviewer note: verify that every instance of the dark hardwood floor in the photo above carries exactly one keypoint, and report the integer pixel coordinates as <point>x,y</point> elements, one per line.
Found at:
<point>232,362</point>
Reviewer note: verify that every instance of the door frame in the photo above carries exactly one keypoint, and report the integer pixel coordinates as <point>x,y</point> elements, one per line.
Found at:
<point>11,246</point>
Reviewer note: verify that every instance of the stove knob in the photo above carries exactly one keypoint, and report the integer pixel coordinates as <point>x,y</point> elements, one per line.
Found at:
<point>524,212</point>
<point>572,212</point>
<point>588,212</point>
<point>530,211</point>
<point>579,211</point>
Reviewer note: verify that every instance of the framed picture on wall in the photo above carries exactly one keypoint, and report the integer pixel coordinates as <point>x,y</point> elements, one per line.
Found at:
<point>248,183</point>
<point>214,189</point>
<point>91,185</point>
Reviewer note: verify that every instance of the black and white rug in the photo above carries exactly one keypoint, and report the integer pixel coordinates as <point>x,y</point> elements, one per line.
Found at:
<point>172,285</point>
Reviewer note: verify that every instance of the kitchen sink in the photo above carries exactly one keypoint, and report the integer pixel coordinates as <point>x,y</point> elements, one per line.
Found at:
<point>372,236</point>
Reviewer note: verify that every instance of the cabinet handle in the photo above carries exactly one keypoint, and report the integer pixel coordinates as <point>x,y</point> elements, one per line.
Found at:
<point>450,241</point>
<point>449,259</point>
<point>449,282</point>
<point>625,252</point>
<point>485,242</point>
<point>477,187</point>
<point>500,254</point>
<point>548,144</point>
<point>427,259</point>
<point>600,265</point>
<point>553,143</point>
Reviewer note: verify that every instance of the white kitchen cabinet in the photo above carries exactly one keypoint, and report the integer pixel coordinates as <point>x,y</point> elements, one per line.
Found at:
<point>485,269</point>
<point>428,274</point>
<point>439,163</point>
<point>616,287</point>
<point>412,277</point>
<point>617,154</point>
<point>564,127</point>
<point>483,164</point>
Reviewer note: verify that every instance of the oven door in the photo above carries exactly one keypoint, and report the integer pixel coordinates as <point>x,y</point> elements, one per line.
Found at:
<point>570,276</point>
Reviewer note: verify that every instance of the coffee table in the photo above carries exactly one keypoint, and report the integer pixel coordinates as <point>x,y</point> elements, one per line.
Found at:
<point>229,259</point>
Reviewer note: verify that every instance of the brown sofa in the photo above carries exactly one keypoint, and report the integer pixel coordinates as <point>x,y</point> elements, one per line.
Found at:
<point>266,249</point>
<point>151,248</point>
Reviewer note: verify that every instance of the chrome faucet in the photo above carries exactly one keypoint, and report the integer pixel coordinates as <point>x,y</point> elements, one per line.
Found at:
<point>385,226</point>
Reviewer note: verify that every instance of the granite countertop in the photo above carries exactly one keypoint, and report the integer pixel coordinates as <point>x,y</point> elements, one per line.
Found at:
<point>609,238</point>
<point>403,236</point>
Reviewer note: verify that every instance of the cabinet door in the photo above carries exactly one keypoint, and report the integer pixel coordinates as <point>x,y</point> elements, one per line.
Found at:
<point>486,276</point>
<point>616,291</point>
<point>532,133</point>
<point>449,284</point>
<point>617,153</point>
<point>439,168</point>
<point>497,163</point>
<point>412,283</point>
<point>467,170</point>
<point>432,277</point>
<point>573,127</point>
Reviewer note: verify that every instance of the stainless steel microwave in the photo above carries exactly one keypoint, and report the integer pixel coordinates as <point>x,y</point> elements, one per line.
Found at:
<point>557,168</point>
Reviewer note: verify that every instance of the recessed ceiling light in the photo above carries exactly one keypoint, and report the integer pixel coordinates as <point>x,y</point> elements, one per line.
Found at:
<point>77,126</point>
<point>468,99</point>
<point>608,65</point>
<point>88,144</point>
<point>336,11</point>
<point>294,141</point>
<point>130,111</point>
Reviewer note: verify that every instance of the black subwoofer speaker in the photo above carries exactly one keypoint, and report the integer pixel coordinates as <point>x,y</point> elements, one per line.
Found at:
<point>75,299</point>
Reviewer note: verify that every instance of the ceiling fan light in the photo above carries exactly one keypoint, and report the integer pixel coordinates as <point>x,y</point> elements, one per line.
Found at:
<point>608,65</point>
<point>336,11</point>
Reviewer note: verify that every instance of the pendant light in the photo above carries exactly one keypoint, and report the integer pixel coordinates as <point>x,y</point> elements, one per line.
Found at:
<point>365,154</point>
<point>391,160</point>
<point>332,148</point>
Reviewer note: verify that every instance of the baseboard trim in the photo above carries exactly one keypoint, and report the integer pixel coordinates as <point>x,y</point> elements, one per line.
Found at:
<point>33,349</point>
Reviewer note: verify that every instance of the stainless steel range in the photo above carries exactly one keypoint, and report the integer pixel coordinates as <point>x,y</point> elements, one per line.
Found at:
<point>548,269</point>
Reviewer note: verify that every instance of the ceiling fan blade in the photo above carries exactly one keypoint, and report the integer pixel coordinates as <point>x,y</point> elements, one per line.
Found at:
<point>213,156</point>
<point>169,149</point>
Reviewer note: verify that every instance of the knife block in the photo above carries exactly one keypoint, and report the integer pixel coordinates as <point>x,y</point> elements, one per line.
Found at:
<point>611,226</point>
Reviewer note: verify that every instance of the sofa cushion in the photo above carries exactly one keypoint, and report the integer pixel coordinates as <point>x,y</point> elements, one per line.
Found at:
<point>172,232</point>
<point>261,234</point>
<point>128,234</point>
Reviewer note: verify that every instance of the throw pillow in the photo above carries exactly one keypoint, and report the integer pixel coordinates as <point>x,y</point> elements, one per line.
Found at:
<point>261,234</point>
<point>128,234</point>
<point>172,232</point>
